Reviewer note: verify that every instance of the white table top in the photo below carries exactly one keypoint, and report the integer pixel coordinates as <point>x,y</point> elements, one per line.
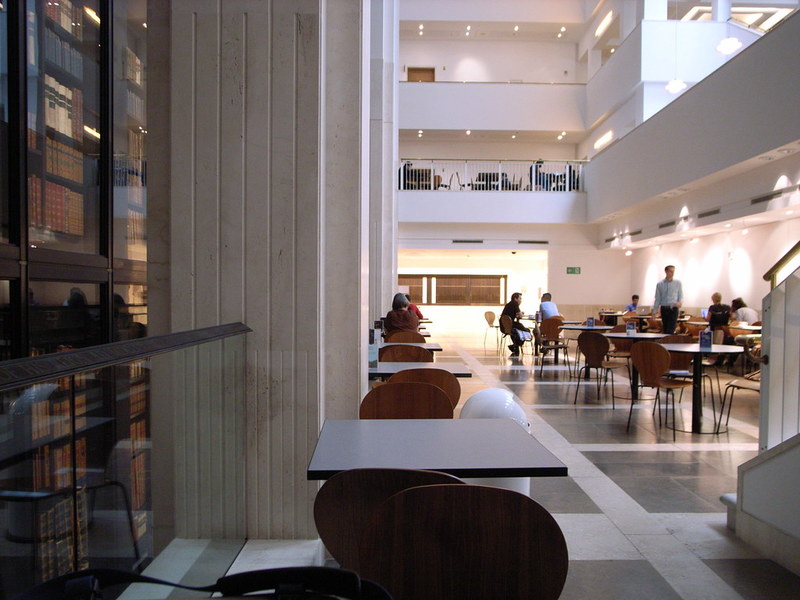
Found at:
<point>638,335</point>
<point>586,327</point>
<point>461,447</point>
<point>695,348</point>
<point>387,369</point>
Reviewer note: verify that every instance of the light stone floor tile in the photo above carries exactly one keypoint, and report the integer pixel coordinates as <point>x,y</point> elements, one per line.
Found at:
<point>273,554</point>
<point>595,537</point>
<point>706,535</point>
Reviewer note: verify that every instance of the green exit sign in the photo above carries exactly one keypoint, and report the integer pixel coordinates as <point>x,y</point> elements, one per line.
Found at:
<point>573,270</point>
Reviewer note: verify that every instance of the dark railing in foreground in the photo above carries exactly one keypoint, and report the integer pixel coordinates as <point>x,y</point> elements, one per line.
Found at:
<point>479,175</point>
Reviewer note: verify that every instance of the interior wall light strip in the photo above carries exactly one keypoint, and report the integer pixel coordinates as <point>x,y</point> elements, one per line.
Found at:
<point>604,24</point>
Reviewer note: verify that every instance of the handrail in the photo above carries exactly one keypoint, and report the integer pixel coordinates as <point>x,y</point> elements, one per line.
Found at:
<point>771,274</point>
<point>27,371</point>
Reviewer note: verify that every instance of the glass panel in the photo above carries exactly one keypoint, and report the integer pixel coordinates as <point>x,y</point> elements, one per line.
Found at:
<point>63,81</point>
<point>36,483</point>
<point>5,320</point>
<point>4,122</point>
<point>63,316</point>
<point>130,129</point>
<point>130,311</point>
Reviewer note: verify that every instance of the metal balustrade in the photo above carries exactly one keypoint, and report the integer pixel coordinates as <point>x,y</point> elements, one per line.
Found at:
<point>491,175</point>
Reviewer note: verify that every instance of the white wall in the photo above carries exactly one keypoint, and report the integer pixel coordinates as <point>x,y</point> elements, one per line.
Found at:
<point>542,11</point>
<point>491,207</point>
<point>477,60</point>
<point>500,106</point>
<point>729,263</point>
<point>475,150</point>
<point>745,108</point>
<point>605,277</point>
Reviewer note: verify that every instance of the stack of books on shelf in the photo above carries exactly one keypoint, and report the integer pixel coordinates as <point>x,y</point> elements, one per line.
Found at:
<point>63,108</point>
<point>63,209</point>
<point>62,54</point>
<point>64,161</point>
<point>56,538</point>
<point>133,67</point>
<point>66,15</point>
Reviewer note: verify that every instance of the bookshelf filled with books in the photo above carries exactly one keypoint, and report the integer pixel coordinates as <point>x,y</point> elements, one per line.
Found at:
<point>75,475</point>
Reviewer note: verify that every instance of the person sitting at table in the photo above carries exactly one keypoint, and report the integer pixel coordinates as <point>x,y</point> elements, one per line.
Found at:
<point>400,318</point>
<point>634,305</point>
<point>547,307</point>
<point>413,308</point>
<point>518,330</point>
<point>742,313</point>
<point>718,313</point>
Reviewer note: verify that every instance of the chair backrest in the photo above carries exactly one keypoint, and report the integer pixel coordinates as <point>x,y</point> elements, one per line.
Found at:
<point>464,541</point>
<point>404,354</point>
<point>438,377</point>
<point>620,328</point>
<point>678,361</point>
<point>406,337</point>
<point>407,400</point>
<point>346,501</point>
<point>651,360</point>
<point>490,317</point>
<point>506,324</point>
<point>550,328</point>
<point>594,347</point>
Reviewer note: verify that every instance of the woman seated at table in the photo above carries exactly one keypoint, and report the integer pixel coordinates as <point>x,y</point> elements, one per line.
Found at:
<point>400,318</point>
<point>718,313</point>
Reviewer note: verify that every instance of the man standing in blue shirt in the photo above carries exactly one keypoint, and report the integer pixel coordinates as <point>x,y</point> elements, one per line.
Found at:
<point>669,297</point>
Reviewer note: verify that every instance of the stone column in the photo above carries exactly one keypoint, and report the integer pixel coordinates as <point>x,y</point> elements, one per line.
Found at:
<point>384,162</point>
<point>263,220</point>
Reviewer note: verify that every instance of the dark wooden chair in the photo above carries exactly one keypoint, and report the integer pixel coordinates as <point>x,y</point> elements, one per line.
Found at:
<point>652,361</point>
<point>551,340</point>
<point>404,354</point>
<point>406,337</point>
<point>680,366</point>
<point>594,347</point>
<point>438,377</point>
<point>506,325</point>
<point>407,400</point>
<point>346,501</point>
<point>464,541</point>
<point>751,382</point>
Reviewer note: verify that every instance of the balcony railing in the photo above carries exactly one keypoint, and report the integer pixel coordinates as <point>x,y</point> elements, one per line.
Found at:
<point>485,175</point>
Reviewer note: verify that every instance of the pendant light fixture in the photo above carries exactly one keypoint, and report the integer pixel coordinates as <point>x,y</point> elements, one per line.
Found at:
<point>676,84</point>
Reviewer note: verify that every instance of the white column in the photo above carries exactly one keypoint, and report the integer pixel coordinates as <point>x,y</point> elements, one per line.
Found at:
<point>720,10</point>
<point>263,220</point>
<point>655,10</point>
<point>383,156</point>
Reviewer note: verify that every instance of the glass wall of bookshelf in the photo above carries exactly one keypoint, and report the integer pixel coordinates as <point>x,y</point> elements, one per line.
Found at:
<point>63,64</point>
<point>4,125</point>
<point>130,130</point>
<point>64,315</point>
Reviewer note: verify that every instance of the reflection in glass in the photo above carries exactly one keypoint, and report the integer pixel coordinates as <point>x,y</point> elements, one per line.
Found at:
<point>130,130</point>
<point>130,311</point>
<point>63,316</point>
<point>5,320</point>
<point>4,122</point>
<point>63,63</point>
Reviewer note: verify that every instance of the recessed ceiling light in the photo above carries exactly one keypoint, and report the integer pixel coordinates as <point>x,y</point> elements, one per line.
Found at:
<point>421,26</point>
<point>513,136</point>
<point>467,33</point>
<point>745,231</point>
<point>561,137</point>
<point>469,132</point>
<point>629,252</point>
<point>612,51</point>
<point>694,240</point>
<point>789,212</point>
<point>563,133</point>
<point>421,32</point>
<point>563,29</point>
<point>559,35</point>
<point>657,248</point>
<point>727,225</point>
<point>469,27</point>
<point>516,27</point>
<point>420,131</point>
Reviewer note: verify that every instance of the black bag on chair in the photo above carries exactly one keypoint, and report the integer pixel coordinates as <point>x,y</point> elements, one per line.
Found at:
<point>321,583</point>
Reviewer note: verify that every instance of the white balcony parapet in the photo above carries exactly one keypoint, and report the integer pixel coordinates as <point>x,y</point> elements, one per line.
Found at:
<point>491,175</point>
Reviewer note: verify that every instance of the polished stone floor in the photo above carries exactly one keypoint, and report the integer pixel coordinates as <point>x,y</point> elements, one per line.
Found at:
<point>640,512</point>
